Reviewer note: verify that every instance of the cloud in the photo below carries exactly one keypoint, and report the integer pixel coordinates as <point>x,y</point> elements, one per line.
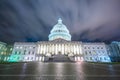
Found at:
<point>32,20</point>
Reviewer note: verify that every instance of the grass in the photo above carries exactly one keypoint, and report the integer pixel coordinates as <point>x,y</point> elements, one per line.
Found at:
<point>10,62</point>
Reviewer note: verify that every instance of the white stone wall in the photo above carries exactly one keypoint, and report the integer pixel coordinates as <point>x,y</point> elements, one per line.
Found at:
<point>95,52</point>
<point>77,51</point>
<point>24,51</point>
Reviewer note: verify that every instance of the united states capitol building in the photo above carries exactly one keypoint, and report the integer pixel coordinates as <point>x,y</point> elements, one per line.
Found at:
<point>60,47</point>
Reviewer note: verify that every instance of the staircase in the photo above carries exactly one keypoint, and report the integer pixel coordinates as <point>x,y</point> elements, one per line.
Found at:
<point>59,58</point>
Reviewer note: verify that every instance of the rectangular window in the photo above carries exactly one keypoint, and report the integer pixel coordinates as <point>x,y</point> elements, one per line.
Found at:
<point>89,52</point>
<point>86,52</point>
<point>90,58</point>
<point>19,52</point>
<point>15,52</point>
<point>33,52</point>
<point>29,52</point>
<point>104,58</point>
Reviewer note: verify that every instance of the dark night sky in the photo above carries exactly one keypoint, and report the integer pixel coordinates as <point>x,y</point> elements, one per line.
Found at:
<point>32,20</point>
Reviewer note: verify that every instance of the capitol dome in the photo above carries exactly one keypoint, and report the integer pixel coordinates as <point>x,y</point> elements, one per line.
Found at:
<point>59,31</point>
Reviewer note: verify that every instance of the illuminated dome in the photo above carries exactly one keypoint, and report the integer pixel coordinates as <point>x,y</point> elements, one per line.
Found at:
<point>59,31</point>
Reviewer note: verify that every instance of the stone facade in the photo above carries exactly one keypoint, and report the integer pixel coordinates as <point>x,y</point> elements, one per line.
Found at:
<point>58,47</point>
<point>23,51</point>
<point>95,52</point>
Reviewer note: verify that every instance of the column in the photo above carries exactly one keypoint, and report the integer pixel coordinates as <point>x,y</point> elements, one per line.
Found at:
<point>78,49</point>
<point>52,48</point>
<point>74,49</point>
<point>46,49</point>
<point>41,47</point>
<point>62,49</point>
<point>56,48</point>
<point>38,49</point>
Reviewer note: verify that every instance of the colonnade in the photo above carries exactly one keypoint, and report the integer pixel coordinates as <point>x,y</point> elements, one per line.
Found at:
<point>63,48</point>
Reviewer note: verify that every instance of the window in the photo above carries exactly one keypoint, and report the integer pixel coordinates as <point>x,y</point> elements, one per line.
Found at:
<point>19,52</point>
<point>86,52</point>
<point>104,58</point>
<point>90,58</point>
<point>24,52</point>
<point>28,58</point>
<point>88,47</point>
<point>33,52</point>
<point>100,58</point>
<point>89,52</point>
<point>29,52</point>
<point>15,52</point>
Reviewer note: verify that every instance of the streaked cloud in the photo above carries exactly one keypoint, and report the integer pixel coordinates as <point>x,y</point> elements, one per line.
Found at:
<point>32,20</point>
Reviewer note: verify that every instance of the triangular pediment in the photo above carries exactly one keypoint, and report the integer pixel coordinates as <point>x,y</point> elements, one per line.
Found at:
<point>59,40</point>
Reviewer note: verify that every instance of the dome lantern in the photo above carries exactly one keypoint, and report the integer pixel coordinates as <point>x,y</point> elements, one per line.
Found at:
<point>59,21</point>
